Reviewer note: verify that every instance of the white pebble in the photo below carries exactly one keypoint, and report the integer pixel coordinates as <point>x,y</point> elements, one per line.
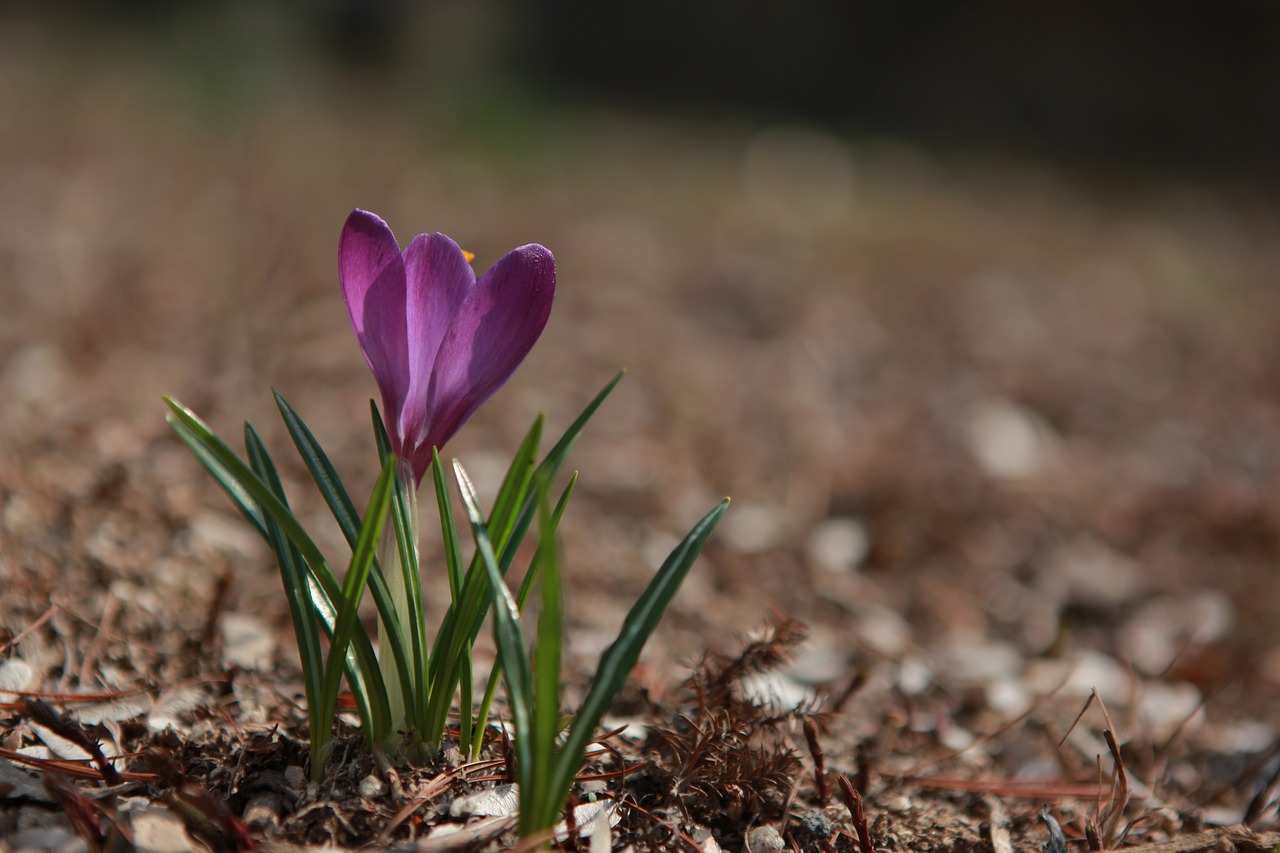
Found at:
<point>839,544</point>
<point>1009,441</point>
<point>371,787</point>
<point>765,839</point>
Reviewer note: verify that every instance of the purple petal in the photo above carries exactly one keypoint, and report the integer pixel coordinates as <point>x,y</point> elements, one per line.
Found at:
<point>438,279</point>
<point>372,274</point>
<point>495,328</point>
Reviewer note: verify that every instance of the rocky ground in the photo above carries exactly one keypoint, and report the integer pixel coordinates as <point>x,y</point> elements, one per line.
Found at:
<point>1002,438</point>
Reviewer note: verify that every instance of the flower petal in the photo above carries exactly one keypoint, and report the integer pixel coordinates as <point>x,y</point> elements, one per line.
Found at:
<point>372,274</point>
<point>438,280</point>
<point>495,328</point>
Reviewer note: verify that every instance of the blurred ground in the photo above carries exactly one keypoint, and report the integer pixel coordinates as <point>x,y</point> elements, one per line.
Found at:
<point>998,431</point>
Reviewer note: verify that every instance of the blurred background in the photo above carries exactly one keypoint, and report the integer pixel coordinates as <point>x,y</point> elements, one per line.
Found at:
<point>970,308</point>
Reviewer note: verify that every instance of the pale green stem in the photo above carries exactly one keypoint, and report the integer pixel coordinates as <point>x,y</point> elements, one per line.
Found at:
<point>393,570</point>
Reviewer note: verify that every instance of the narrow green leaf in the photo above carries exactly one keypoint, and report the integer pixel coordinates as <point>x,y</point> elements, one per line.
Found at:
<point>293,577</point>
<point>344,512</point>
<point>506,628</point>
<point>466,710</point>
<point>522,596</point>
<point>322,471</point>
<point>323,584</point>
<point>526,583</point>
<point>353,588</point>
<point>448,528</point>
<point>300,583</point>
<point>381,440</point>
<point>620,658</point>
<point>551,465</point>
<point>515,485</point>
<point>239,495</point>
<point>461,623</point>
<point>546,672</point>
<point>463,619</point>
<point>404,505</point>
<point>412,635</point>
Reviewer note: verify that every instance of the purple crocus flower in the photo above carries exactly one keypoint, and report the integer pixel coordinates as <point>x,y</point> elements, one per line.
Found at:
<point>438,341</point>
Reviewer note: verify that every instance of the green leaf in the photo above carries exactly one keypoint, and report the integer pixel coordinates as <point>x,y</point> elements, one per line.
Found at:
<point>508,524</point>
<point>344,512</point>
<point>620,658</point>
<point>238,494</point>
<point>522,596</point>
<point>448,528</point>
<point>461,624</point>
<point>506,629</point>
<point>553,462</point>
<point>381,440</point>
<point>546,675</point>
<point>353,588</point>
<point>301,586</point>
<point>322,583</point>
<point>293,577</point>
<point>515,485</point>
<point>404,514</point>
<point>412,635</point>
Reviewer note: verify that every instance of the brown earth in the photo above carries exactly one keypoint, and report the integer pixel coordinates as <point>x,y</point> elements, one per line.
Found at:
<point>1000,434</point>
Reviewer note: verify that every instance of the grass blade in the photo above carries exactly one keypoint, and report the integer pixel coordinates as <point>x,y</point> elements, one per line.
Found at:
<point>522,596</point>
<point>462,621</point>
<point>546,673</point>
<point>512,516</point>
<point>301,583</point>
<point>322,583</point>
<point>620,658</point>
<point>293,577</point>
<point>239,495</point>
<point>506,629</point>
<point>344,512</point>
<point>448,528</point>
<point>404,514</point>
<point>552,463</point>
<point>555,458</point>
<point>353,587</point>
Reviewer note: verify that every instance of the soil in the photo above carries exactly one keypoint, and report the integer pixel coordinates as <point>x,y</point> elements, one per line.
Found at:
<point>1002,439</point>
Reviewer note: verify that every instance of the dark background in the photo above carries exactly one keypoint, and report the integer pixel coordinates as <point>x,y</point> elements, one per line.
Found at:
<point>1188,87</point>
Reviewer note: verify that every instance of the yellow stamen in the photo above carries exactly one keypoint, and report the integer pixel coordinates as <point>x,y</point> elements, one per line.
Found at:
<point>470,256</point>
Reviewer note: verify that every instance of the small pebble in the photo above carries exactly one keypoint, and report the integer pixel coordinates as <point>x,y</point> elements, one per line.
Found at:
<point>765,839</point>
<point>15,674</point>
<point>371,787</point>
<point>36,373</point>
<point>216,533</point>
<point>294,775</point>
<point>1009,441</point>
<point>839,544</point>
<point>1008,695</point>
<point>914,676</point>
<point>247,642</point>
<point>157,830</point>
<point>702,835</point>
<point>1090,572</point>
<point>883,630</point>
<point>1079,677</point>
